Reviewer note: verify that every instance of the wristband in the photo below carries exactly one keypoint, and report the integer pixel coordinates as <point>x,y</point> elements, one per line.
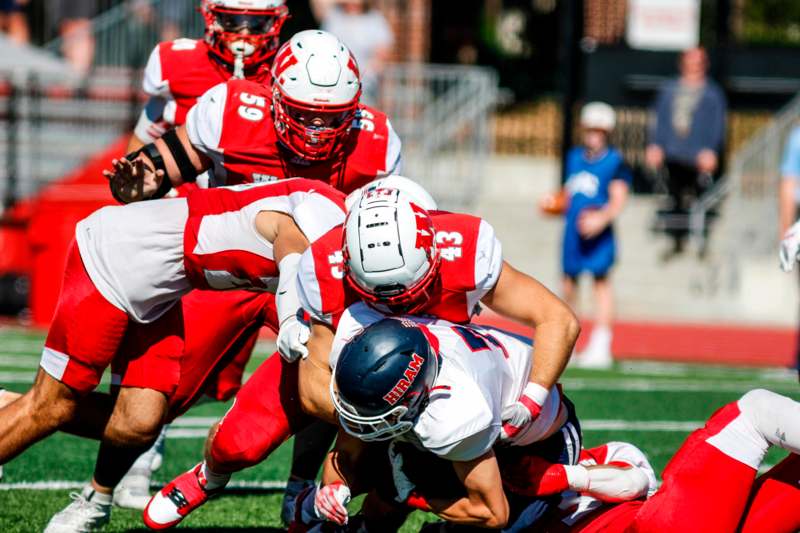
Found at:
<point>533,392</point>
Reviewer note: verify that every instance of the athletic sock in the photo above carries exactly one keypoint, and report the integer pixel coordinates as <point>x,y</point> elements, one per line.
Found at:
<point>776,417</point>
<point>113,463</point>
<point>93,496</point>
<point>577,477</point>
<point>213,481</point>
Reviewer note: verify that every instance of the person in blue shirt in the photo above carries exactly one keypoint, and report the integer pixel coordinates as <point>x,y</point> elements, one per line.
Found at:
<point>597,188</point>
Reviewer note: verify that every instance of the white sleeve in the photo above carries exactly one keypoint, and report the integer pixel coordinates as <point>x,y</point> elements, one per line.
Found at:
<point>153,82</point>
<point>151,124</point>
<point>488,263</point>
<point>204,121</point>
<point>470,447</point>
<point>308,290</point>
<point>394,156</point>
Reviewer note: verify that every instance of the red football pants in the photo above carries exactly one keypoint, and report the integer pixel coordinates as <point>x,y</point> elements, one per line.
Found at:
<point>264,415</point>
<point>775,500</point>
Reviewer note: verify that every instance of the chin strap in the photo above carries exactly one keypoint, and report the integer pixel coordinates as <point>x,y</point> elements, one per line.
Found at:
<point>238,66</point>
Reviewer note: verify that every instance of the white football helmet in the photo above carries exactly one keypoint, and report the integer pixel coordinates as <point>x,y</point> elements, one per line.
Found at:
<point>414,190</point>
<point>244,30</point>
<point>315,94</point>
<point>390,250</point>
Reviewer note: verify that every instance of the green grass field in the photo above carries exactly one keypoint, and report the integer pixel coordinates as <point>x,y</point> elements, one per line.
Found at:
<point>652,405</point>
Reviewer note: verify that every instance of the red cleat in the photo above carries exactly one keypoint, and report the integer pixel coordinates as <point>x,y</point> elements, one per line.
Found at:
<point>175,501</point>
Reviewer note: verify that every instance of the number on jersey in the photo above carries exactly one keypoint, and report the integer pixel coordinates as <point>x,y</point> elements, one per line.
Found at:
<point>253,108</point>
<point>478,341</point>
<point>336,261</point>
<point>449,243</point>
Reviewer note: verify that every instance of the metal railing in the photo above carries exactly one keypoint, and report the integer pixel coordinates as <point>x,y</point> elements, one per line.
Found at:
<point>748,220</point>
<point>443,114</point>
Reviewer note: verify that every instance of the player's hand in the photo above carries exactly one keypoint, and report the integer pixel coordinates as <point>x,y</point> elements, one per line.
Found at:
<point>592,222</point>
<point>292,339</point>
<point>330,502</point>
<point>524,411</point>
<point>132,181</point>
<point>790,247</point>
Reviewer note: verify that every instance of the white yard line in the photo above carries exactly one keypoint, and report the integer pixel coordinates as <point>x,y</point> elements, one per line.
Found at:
<point>19,361</point>
<point>670,385</point>
<point>75,485</point>
<point>641,425</point>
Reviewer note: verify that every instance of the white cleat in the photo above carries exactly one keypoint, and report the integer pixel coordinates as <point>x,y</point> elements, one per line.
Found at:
<point>81,516</point>
<point>158,450</point>
<point>133,491</point>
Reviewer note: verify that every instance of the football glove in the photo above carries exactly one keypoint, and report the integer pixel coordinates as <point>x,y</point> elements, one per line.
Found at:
<point>292,339</point>
<point>790,246</point>
<point>330,502</point>
<point>523,411</point>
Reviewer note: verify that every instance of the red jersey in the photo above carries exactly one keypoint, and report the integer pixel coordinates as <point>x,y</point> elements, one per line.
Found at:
<point>180,72</point>
<point>145,256</point>
<point>232,125</point>
<point>471,262</point>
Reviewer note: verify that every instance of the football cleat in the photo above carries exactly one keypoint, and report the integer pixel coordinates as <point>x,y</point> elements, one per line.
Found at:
<point>80,516</point>
<point>133,491</point>
<point>174,502</point>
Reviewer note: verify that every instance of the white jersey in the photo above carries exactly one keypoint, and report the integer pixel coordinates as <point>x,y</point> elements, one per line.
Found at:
<point>144,257</point>
<point>134,255</point>
<point>483,371</point>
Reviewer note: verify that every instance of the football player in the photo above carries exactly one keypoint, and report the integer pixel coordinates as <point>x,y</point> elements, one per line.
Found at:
<point>240,41</point>
<point>305,124</point>
<point>438,391</point>
<point>442,265</point>
<point>129,267</point>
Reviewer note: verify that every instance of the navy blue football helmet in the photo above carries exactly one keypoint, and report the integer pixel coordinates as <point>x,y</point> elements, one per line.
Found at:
<point>382,379</point>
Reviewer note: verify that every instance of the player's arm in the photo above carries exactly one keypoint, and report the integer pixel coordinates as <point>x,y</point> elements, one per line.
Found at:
<point>485,504</point>
<point>151,124</point>
<point>521,298</point>
<point>158,167</point>
<point>315,374</point>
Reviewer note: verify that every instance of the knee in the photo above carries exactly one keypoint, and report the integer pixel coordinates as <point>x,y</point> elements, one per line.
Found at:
<point>757,403</point>
<point>50,406</point>
<point>135,430</point>
<point>235,447</point>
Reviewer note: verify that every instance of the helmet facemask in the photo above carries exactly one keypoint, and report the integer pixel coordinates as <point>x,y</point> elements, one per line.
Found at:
<point>244,38</point>
<point>315,132</point>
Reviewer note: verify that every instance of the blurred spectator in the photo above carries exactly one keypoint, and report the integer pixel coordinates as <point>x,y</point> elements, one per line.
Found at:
<point>13,22</point>
<point>789,197</point>
<point>597,188</point>
<point>687,136</point>
<point>74,20</point>
<point>176,18</point>
<point>364,30</point>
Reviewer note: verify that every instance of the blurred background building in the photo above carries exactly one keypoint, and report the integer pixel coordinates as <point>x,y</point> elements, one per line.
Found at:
<point>482,92</point>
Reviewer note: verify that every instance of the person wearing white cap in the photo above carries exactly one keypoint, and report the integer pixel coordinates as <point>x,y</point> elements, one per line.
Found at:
<point>597,189</point>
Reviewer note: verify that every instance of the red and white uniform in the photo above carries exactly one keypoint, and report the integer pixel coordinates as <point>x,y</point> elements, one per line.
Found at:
<point>137,261</point>
<point>179,72</point>
<point>232,125</point>
<point>707,486</point>
<point>472,258</point>
<point>256,425</point>
<point>483,371</point>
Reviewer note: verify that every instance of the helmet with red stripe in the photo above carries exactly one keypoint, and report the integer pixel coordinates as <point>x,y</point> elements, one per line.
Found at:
<point>244,30</point>
<point>315,94</point>
<point>391,257</point>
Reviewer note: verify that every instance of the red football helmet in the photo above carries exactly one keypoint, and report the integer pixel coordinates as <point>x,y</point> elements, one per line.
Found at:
<point>316,89</point>
<point>246,31</point>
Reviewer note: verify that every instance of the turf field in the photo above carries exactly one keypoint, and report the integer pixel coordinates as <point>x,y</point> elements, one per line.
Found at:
<point>653,405</point>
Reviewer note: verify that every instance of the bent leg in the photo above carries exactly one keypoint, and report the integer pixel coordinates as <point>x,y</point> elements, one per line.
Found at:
<point>775,500</point>
<point>265,414</point>
<point>36,414</point>
<point>707,483</point>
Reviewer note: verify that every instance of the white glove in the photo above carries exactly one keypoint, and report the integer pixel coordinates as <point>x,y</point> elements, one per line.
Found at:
<point>292,339</point>
<point>330,502</point>
<point>524,411</point>
<point>790,246</point>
